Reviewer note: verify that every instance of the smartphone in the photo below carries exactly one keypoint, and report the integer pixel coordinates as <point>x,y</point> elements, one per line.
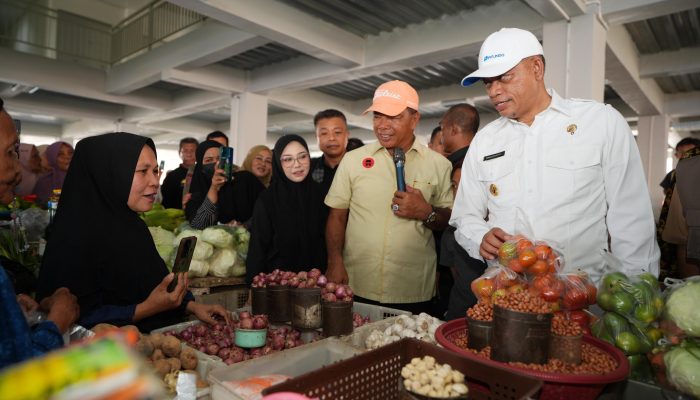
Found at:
<point>226,161</point>
<point>183,258</point>
<point>188,181</point>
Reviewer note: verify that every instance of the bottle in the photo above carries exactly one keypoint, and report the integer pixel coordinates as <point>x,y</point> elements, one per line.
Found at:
<point>53,204</point>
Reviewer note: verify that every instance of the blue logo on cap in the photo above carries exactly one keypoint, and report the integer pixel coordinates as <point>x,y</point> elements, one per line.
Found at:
<point>499,55</point>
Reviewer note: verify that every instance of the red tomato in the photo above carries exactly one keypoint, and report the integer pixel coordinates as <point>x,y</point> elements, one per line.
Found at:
<point>515,266</point>
<point>575,299</point>
<point>527,258</point>
<point>592,293</point>
<point>553,291</point>
<point>542,251</point>
<point>503,280</point>
<point>580,317</point>
<point>524,244</point>
<point>538,268</point>
<point>482,288</point>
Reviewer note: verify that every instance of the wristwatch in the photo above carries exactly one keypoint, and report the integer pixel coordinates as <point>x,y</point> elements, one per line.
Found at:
<point>432,217</point>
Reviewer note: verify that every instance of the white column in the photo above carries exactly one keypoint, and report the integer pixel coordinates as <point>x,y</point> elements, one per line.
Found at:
<point>652,141</point>
<point>575,57</point>
<point>248,123</point>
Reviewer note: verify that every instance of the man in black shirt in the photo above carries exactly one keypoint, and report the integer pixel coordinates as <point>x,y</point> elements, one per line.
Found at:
<point>174,181</point>
<point>332,135</point>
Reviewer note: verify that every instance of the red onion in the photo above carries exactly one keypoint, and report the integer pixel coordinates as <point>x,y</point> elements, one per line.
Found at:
<point>294,281</point>
<point>247,323</point>
<point>237,354</point>
<point>349,292</point>
<point>331,286</point>
<point>295,334</point>
<point>186,335</point>
<point>244,315</point>
<point>340,292</point>
<point>322,280</point>
<point>278,342</point>
<point>284,282</point>
<point>259,322</point>
<point>289,343</point>
<point>302,275</point>
<point>224,353</point>
<point>200,330</point>
<point>329,297</point>
<point>212,349</point>
<point>347,298</point>
<point>267,350</point>
<point>298,343</point>
<point>302,285</point>
<point>311,282</point>
<point>202,349</point>
<point>229,361</point>
<point>314,273</point>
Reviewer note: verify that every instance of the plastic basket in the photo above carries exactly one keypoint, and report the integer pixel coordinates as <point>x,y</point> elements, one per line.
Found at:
<point>291,362</point>
<point>376,313</point>
<point>556,386</point>
<point>375,375</point>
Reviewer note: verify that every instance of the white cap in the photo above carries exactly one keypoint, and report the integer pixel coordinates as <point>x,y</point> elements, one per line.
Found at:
<point>502,51</point>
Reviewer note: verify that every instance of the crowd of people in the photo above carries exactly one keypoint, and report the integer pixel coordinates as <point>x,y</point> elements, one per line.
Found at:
<point>561,170</point>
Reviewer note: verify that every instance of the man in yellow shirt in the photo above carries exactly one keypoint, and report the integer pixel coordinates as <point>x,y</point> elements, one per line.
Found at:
<point>379,239</point>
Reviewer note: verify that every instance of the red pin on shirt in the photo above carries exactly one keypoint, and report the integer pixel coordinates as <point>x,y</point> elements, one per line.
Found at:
<point>368,162</point>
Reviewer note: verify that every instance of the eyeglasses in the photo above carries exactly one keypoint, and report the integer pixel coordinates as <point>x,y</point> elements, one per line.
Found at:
<point>288,161</point>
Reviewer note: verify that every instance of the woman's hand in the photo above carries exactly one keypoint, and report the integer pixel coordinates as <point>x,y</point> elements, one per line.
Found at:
<point>160,299</point>
<point>26,303</point>
<point>217,181</point>
<point>62,308</point>
<point>206,312</point>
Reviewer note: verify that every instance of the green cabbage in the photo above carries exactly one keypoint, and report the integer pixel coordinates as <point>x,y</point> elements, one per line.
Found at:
<point>198,269</point>
<point>681,308</point>
<point>683,368</point>
<point>218,237</point>
<point>222,262</point>
<point>163,240</point>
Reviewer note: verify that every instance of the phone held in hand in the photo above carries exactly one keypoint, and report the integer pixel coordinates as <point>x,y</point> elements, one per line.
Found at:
<point>183,258</point>
<point>226,161</point>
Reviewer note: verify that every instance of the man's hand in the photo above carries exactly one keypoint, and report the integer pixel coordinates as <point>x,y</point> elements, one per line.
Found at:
<point>411,204</point>
<point>206,312</point>
<point>337,273</point>
<point>492,240</point>
<point>62,308</point>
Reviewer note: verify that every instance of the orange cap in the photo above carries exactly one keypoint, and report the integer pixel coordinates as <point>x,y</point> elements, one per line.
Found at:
<point>391,98</point>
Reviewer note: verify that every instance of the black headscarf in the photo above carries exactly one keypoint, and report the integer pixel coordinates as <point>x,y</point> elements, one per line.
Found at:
<point>297,216</point>
<point>200,181</point>
<point>100,249</point>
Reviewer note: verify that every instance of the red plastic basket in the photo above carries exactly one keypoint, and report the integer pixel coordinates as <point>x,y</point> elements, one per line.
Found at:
<point>556,386</point>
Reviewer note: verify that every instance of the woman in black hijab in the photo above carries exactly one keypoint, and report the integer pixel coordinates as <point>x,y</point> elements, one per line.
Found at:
<point>102,251</point>
<point>213,199</point>
<point>289,219</point>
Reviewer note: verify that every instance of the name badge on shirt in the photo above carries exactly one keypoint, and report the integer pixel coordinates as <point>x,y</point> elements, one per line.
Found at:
<point>495,155</point>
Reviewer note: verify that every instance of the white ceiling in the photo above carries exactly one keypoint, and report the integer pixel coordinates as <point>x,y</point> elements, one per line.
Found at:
<point>304,62</point>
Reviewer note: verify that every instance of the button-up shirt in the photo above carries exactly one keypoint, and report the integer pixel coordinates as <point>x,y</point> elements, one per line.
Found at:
<point>571,179</point>
<point>389,259</point>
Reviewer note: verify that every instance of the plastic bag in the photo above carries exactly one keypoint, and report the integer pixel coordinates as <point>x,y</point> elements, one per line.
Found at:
<point>496,281</point>
<point>579,291</point>
<point>635,297</point>
<point>680,317</point>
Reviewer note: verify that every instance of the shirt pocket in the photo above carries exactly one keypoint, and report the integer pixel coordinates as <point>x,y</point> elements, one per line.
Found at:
<point>500,179</point>
<point>426,185</point>
<point>574,175</point>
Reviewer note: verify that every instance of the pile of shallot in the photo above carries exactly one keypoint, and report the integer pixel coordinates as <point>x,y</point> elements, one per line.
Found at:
<point>336,292</point>
<point>358,320</point>
<point>303,279</point>
<point>218,339</point>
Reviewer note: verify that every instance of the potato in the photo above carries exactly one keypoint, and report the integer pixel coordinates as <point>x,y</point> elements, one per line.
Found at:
<point>157,340</point>
<point>157,355</point>
<point>162,367</point>
<point>188,358</point>
<point>171,346</point>
<point>174,364</point>
<point>102,328</point>
<point>144,346</point>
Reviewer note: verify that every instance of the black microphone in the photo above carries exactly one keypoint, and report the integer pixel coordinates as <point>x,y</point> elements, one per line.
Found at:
<point>399,161</point>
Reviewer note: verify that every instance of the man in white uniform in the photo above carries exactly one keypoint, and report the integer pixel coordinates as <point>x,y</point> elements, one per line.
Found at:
<point>567,171</point>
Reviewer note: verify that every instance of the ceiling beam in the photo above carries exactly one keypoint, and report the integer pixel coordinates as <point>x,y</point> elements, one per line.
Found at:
<point>211,42</point>
<point>446,38</point>
<point>555,10</point>
<point>63,107</point>
<point>683,104</point>
<point>189,102</point>
<point>284,24</point>
<point>670,63</point>
<point>216,78</point>
<point>71,78</point>
<point>622,71</point>
<point>617,12</point>
<point>311,101</point>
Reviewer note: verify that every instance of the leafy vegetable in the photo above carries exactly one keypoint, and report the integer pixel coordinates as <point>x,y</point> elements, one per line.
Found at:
<point>198,269</point>
<point>222,262</point>
<point>163,240</point>
<point>683,368</point>
<point>218,236</point>
<point>681,308</point>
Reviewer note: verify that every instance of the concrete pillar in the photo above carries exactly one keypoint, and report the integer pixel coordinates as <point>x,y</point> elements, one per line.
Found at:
<point>248,123</point>
<point>652,141</point>
<point>575,57</point>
